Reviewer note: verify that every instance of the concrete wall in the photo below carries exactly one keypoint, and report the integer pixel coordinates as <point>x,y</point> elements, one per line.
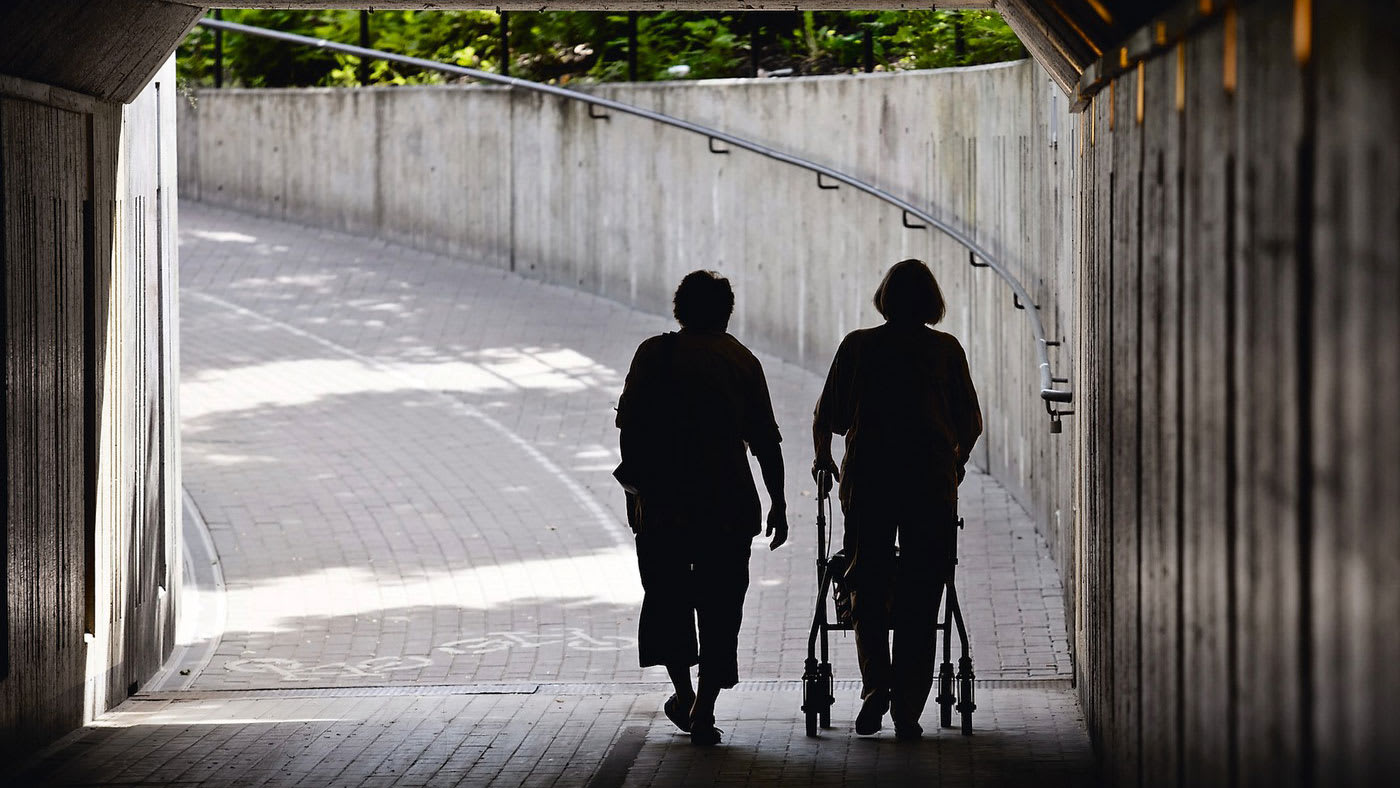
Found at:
<point>89,521</point>
<point>1239,368</point>
<point>624,207</point>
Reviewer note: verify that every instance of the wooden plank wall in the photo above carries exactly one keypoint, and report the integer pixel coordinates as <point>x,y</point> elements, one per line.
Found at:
<point>1269,591</point>
<point>1240,356</point>
<point>1353,532</point>
<point>45,484</point>
<point>90,477</point>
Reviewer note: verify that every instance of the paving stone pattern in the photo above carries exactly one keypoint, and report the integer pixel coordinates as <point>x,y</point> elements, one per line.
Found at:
<point>1029,737</point>
<point>405,460</point>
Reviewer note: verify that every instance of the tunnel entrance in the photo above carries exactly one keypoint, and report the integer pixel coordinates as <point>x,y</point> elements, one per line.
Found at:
<point>403,463</point>
<point>473,376</point>
<point>1222,226</point>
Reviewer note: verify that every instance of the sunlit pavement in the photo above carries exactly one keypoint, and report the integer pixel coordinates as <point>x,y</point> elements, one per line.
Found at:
<point>409,563</point>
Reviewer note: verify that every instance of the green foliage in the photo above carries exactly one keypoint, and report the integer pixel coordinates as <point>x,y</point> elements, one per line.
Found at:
<point>256,62</point>
<point>592,46</point>
<point>706,43</point>
<point>466,38</point>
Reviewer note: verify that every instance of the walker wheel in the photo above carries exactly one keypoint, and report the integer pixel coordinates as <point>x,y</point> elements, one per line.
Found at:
<point>812,706</point>
<point>827,699</point>
<point>945,698</point>
<point>965,705</point>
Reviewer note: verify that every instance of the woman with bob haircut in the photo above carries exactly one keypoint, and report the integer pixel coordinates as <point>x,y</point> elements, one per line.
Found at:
<point>902,395</point>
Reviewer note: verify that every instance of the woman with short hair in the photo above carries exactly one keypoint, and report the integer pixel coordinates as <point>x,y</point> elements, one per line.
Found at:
<point>902,395</point>
<point>694,400</point>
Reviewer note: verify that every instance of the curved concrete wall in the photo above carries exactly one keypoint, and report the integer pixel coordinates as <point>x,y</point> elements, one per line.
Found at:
<point>623,207</point>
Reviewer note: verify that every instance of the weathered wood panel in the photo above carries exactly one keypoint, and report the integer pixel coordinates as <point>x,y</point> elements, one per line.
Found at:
<point>1271,713</point>
<point>1159,427</point>
<point>1262,402</point>
<point>1124,387</point>
<point>1354,479</point>
<point>1207,511</point>
<point>1094,524</point>
<point>89,515</point>
<point>44,256</point>
<point>1101,533</point>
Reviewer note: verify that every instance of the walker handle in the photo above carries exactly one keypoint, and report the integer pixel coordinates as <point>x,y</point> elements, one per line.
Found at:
<point>823,491</point>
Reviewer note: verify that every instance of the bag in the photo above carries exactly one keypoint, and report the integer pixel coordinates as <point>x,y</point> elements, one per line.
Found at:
<point>836,567</point>
<point>630,478</point>
<point>634,473</point>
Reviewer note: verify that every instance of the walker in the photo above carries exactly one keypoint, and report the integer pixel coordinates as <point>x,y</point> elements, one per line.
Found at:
<point>817,683</point>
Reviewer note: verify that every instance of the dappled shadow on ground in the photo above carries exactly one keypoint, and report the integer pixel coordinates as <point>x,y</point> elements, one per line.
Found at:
<point>397,451</point>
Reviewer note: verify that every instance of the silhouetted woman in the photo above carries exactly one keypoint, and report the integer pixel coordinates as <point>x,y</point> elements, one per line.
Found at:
<point>693,401</point>
<point>902,395</point>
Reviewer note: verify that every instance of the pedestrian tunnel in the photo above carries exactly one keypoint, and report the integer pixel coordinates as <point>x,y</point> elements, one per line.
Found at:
<point>1194,198</point>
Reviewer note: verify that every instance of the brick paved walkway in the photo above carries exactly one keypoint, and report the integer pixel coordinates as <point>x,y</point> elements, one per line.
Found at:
<point>404,463</point>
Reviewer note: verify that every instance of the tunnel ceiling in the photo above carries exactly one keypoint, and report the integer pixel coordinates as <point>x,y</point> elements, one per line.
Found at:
<point>110,49</point>
<point>622,5</point>
<point>619,4</point>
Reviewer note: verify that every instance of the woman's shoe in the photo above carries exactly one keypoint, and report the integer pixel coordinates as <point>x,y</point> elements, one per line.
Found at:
<point>908,731</point>
<point>704,733</point>
<point>676,714</point>
<point>872,714</point>
<point>905,729</point>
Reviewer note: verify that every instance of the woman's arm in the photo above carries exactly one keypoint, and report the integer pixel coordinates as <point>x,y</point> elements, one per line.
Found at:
<point>821,445</point>
<point>967,413</point>
<point>770,462</point>
<point>832,414</point>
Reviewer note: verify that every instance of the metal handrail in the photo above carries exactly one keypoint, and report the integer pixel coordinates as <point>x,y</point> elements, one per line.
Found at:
<point>1048,392</point>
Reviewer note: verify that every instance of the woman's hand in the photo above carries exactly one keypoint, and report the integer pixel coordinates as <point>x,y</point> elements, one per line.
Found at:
<point>828,465</point>
<point>777,527</point>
